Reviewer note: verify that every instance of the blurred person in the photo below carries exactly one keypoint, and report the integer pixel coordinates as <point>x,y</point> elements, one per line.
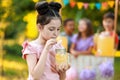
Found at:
<point>108,25</point>
<point>69,26</point>
<point>82,42</point>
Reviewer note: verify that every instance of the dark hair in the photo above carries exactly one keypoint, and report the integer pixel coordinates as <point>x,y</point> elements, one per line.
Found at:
<point>47,11</point>
<point>89,31</point>
<point>66,21</point>
<point>109,15</point>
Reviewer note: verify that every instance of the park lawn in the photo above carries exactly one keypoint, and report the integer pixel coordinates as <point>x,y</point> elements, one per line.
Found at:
<point>14,68</point>
<point>117,68</point>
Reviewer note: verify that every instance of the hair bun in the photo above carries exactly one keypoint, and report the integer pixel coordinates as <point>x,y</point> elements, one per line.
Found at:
<point>42,7</point>
<point>55,6</point>
<point>45,7</point>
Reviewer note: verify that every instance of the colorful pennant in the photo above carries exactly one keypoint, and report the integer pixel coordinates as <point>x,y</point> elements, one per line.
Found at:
<point>72,4</point>
<point>80,5</point>
<point>98,5</point>
<point>111,3</point>
<point>66,2</point>
<point>85,5</point>
<point>92,5</point>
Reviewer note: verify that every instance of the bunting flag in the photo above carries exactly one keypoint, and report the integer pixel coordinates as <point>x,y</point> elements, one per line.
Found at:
<point>72,4</point>
<point>93,5</point>
<point>104,6</point>
<point>111,3</point>
<point>98,5</point>
<point>66,2</point>
<point>80,5</point>
<point>85,5</point>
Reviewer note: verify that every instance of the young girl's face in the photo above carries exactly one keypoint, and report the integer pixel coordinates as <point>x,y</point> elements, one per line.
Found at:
<point>82,26</point>
<point>108,24</point>
<point>51,30</point>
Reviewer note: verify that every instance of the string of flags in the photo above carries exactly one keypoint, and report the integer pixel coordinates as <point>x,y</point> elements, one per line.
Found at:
<point>92,5</point>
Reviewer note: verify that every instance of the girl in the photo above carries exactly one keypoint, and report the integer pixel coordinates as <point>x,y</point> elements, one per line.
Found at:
<point>82,42</point>
<point>40,53</point>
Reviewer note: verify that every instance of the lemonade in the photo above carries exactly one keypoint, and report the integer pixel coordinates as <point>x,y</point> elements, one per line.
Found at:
<point>64,41</point>
<point>106,46</point>
<point>61,56</point>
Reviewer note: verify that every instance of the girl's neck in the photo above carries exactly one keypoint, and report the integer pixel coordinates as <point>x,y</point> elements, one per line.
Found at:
<point>83,35</point>
<point>109,31</point>
<point>40,40</point>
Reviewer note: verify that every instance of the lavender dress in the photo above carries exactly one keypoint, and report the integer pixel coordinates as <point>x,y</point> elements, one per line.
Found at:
<point>82,44</point>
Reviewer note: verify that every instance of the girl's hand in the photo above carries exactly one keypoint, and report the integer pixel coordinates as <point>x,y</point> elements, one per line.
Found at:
<point>62,68</point>
<point>53,68</point>
<point>50,43</point>
<point>74,53</point>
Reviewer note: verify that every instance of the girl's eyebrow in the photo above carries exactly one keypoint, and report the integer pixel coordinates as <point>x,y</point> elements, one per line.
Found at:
<point>53,27</point>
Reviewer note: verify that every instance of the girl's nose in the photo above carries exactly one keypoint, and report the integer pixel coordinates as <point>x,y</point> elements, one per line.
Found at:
<point>55,33</point>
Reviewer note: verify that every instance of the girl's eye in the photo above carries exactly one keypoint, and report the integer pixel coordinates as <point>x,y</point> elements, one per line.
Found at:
<point>58,29</point>
<point>51,29</point>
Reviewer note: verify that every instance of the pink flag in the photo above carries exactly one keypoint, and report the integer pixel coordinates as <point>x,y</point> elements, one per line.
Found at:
<point>85,5</point>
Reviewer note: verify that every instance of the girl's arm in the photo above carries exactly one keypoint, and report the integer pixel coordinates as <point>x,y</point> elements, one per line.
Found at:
<point>36,69</point>
<point>62,75</point>
<point>87,52</point>
<point>77,53</point>
<point>72,50</point>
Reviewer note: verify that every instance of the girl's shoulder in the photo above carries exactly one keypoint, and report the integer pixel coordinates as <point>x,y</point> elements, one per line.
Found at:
<point>75,36</point>
<point>30,47</point>
<point>28,44</point>
<point>91,37</point>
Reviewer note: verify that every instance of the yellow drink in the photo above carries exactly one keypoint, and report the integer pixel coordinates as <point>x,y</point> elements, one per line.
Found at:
<point>61,56</point>
<point>64,41</point>
<point>105,46</point>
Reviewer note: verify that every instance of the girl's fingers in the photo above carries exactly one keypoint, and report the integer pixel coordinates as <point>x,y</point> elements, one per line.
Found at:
<point>63,67</point>
<point>54,70</point>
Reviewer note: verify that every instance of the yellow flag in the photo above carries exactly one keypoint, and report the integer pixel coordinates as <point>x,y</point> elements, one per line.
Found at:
<point>111,3</point>
<point>58,1</point>
<point>49,0</point>
<point>80,5</point>
<point>35,1</point>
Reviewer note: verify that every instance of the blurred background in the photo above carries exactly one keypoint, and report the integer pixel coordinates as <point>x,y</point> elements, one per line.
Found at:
<point>18,23</point>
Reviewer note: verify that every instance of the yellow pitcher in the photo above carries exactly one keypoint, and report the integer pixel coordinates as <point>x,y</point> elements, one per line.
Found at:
<point>105,46</point>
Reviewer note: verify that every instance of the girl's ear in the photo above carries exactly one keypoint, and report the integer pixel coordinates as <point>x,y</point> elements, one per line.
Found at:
<point>39,26</point>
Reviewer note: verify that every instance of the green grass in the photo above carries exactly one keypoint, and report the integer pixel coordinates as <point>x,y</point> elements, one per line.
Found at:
<point>14,68</point>
<point>117,69</point>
